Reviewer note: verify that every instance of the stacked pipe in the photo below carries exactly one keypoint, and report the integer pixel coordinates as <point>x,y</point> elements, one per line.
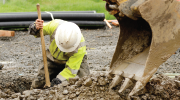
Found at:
<point>87,19</point>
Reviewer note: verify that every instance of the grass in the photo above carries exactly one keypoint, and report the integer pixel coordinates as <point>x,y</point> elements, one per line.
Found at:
<point>55,5</point>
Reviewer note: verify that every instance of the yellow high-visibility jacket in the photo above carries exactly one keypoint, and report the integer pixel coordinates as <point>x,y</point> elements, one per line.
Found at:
<point>73,59</point>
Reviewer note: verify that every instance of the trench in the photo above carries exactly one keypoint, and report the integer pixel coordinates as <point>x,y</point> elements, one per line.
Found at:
<point>11,81</point>
<point>17,85</point>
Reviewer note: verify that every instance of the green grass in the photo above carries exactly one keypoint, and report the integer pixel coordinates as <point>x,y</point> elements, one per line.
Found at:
<point>54,5</point>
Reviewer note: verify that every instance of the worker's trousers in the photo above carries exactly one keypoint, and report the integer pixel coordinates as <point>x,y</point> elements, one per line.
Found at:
<point>54,69</point>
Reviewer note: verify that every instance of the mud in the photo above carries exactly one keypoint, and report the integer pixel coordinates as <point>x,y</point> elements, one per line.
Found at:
<point>22,54</point>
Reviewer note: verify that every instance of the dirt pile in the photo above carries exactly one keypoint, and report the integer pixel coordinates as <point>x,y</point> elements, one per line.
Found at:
<point>93,87</point>
<point>162,88</point>
<point>96,87</point>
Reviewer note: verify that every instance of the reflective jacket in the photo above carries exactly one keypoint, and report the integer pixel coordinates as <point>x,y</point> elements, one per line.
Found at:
<point>72,60</point>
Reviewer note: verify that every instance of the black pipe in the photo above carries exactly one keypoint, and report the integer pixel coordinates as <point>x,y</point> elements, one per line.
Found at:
<point>25,24</point>
<point>45,16</point>
<point>51,12</point>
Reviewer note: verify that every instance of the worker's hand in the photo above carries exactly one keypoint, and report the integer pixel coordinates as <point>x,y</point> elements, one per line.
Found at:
<point>39,24</point>
<point>55,81</point>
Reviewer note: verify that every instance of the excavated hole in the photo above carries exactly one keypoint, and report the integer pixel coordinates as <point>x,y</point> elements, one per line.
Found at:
<point>17,85</point>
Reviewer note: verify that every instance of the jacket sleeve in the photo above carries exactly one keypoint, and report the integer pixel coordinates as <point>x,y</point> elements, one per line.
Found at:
<point>72,65</point>
<point>48,28</point>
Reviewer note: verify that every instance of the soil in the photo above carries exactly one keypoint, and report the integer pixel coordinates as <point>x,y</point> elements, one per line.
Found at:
<point>22,54</point>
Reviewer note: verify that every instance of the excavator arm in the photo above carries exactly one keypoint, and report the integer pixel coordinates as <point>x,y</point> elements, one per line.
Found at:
<point>149,35</point>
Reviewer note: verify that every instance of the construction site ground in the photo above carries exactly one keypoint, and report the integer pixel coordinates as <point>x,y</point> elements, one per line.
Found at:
<point>22,54</point>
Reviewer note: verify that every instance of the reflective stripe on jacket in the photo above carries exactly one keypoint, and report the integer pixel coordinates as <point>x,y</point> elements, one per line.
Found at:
<point>73,59</point>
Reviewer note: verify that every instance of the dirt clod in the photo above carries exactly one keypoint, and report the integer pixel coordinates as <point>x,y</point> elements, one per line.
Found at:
<point>88,82</point>
<point>65,92</point>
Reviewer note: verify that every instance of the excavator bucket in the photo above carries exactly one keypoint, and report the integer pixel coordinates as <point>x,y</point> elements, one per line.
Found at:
<point>149,35</point>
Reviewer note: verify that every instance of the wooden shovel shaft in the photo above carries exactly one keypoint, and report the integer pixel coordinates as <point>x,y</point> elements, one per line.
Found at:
<point>43,50</point>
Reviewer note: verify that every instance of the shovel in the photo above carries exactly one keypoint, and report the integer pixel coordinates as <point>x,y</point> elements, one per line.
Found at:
<point>43,51</point>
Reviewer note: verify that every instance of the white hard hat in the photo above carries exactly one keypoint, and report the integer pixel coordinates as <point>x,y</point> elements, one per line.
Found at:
<point>68,37</point>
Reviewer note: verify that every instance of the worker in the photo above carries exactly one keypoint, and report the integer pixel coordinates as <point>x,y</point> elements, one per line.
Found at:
<point>1,66</point>
<point>66,56</point>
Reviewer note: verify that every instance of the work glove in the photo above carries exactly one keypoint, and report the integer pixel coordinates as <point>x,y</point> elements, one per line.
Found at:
<point>55,81</point>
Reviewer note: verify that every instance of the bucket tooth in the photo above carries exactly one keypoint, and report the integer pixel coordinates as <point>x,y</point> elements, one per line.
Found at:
<point>116,80</point>
<point>137,88</point>
<point>127,83</point>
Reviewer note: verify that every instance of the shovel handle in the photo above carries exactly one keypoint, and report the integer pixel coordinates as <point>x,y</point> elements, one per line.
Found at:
<point>43,50</point>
